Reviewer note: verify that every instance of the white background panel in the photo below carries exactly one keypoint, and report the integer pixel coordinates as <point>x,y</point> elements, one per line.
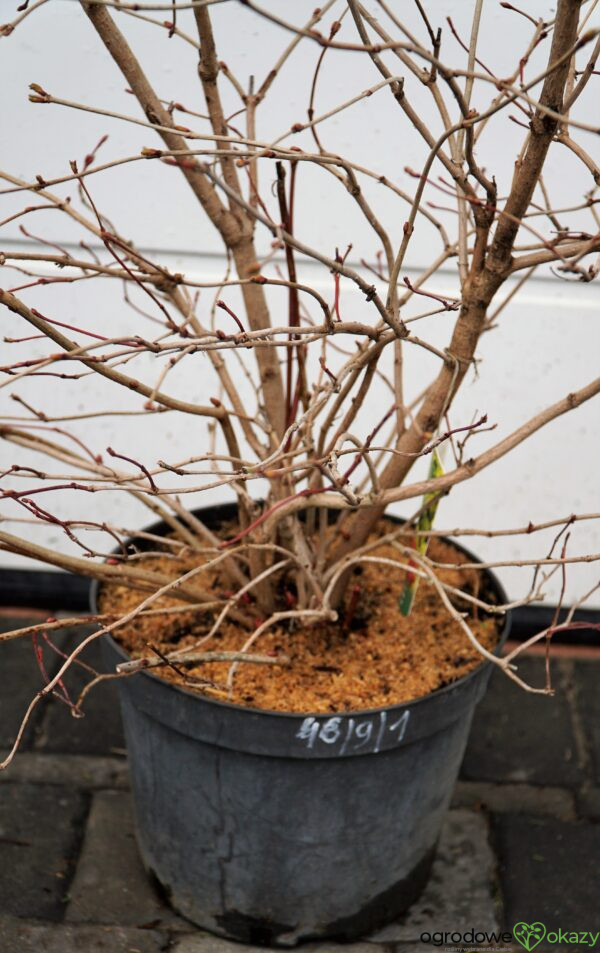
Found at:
<point>547,341</point>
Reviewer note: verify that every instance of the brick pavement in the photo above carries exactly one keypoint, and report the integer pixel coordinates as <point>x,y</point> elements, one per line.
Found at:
<point>521,842</point>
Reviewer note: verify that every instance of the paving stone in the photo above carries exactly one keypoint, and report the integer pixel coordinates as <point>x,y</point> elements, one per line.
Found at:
<point>586,677</point>
<point>522,737</point>
<point>588,803</point>
<point>366,946</point>
<point>459,895</point>
<point>100,731</point>
<point>411,948</point>
<point>17,936</point>
<point>414,948</point>
<point>72,770</point>
<point>39,836</point>
<point>557,802</point>
<point>206,943</point>
<point>110,884</point>
<point>202,942</point>
<point>548,871</point>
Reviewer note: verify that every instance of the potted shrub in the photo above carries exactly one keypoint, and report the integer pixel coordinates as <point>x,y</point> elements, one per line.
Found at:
<point>298,669</point>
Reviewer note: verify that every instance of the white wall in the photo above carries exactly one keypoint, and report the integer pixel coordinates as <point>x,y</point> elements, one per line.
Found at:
<point>547,341</point>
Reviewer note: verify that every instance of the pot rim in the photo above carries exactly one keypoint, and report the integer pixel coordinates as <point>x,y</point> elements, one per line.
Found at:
<point>224,509</point>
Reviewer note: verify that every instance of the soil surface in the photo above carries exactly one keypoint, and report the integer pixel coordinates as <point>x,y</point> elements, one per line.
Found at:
<point>372,657</point>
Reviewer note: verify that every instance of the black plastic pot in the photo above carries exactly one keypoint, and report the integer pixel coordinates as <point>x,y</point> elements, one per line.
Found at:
<point>273,828</point>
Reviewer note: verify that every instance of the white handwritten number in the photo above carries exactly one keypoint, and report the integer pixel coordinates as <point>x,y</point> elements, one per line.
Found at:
<point>309,729</point>
<point>349,730</point>
<point>382,721</point>
<point>401,725</point>
<point>330,732</point>
<point>334,730</point>
<point>364,732</point>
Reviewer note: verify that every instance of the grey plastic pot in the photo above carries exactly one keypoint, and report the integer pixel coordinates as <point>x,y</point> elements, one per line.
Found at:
<point>276,828</point>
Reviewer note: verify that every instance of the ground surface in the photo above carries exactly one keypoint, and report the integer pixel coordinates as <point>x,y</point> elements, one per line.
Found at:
<point>521,843</point>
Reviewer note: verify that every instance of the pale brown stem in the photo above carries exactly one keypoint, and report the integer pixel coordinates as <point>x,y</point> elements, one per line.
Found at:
<point>567,250</point>
<point>237,238</point>
<point>487,274</point>
<point>580,152</point>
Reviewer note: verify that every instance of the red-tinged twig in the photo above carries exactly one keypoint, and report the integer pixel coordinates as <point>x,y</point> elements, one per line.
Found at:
<point>368,442</point>
<point>88,160</point>
<point>335,28</point>
<point>567,627</point>
<point>96,458</point>
<point>90,251</point>
<point>59,652</point>
<point>221,304</point>
<point>374,269</point>
<point>65,280</point>
<point>61,693</point>
<point>39,657</point>
<point>477,203</point>
<point>62,377</point>
<point>136,463</point>
<point>329,373</point>
<point>32,410</point>
<point>91,156</point>
<point>48,517</point>
<point>523,125</point>
<point>109,239</point>
<point>33,362</point>
<point>510,6</point>
<point>15,468</point>
<point>43,241</point>
<point>300,495</point>
<point>568,522</point>
<point>466,48</point>
<point>30,337</point>
<point>286,212</point>
<point>24,494</point>
<point>134,253</point>
<point>73,327</point>
<point>27,211</point>
<point>525,59</point>
<point>448,305</point>
<point>470,428</point>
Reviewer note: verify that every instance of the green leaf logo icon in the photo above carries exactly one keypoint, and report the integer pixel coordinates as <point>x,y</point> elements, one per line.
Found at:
<point>529,934</point>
